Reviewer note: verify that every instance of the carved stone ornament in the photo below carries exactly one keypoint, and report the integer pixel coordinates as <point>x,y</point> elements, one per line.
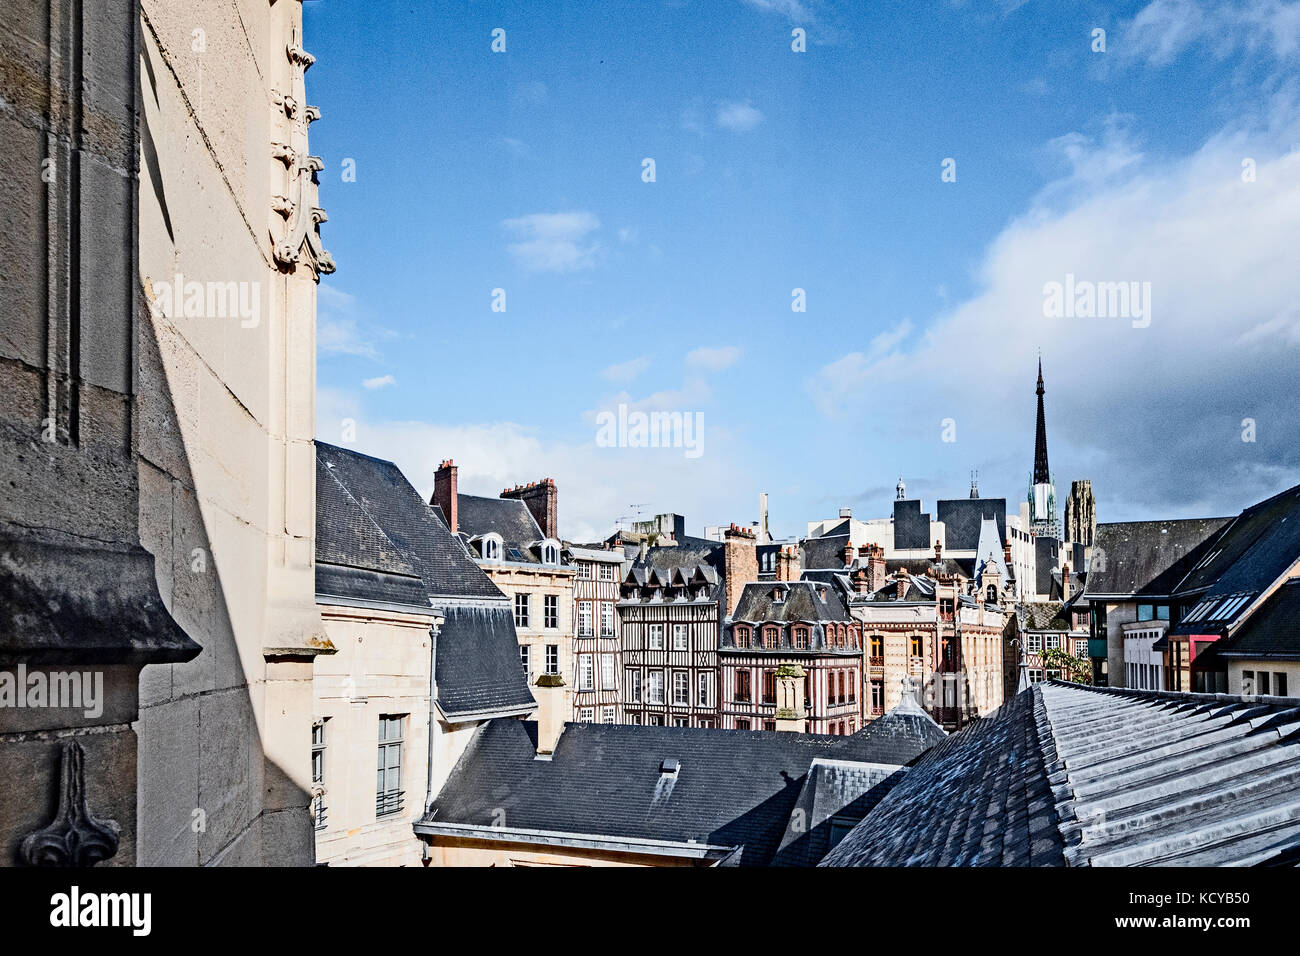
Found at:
<point>298,203</point>
<point>74,837</point>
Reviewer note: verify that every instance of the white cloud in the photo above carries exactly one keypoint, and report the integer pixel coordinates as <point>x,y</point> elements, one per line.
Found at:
<point>713,359</point>
<point>738,117</point>
<point>1152,414</point>
<point>626,371</point>
<point>341,336</point>
<point>554,242</point>
<point>381,381</point>
<point>793,9</point>
<point>1163,29</point>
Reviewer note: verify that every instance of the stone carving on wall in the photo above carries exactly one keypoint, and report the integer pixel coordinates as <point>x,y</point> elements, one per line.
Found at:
<point>75,837</point>
<point>298,203</point>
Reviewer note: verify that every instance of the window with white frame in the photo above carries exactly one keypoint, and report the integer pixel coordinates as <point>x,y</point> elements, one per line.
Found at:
<point>606,619</point>
<point>525,658</point>
<point>586,714</point>
<point>584,619</point>
<point>491,548</point>
<point>704,689</point>
<point>318,773</point>
<point>656,641</point>
<point>632,685</point>
<point>681,687</point>
<point>550,554</point>
<point>586,676</point>
<point>552,658</point>
<point>1052,641</point>
<point>655,689</point>
<point>607,715</point>
<point>1033,643</point>
<point>1035,675</point>
<point>584,569</point>
<point>607,572</point>
<point>521,610</point>
<point>679,637</point>
<point>607,671</point>
<point>388,787</point>
<point>551,610</point>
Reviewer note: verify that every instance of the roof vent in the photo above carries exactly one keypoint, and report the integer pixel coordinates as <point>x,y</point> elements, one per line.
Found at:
<point>669,766</point>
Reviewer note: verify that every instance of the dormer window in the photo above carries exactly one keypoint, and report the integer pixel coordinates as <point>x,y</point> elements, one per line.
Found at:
<point>491,548</point>
<point>801,637</point>
<point>778,596</point>
<point>742,635</point>
<point>550,552</point>
<point>771,637</point>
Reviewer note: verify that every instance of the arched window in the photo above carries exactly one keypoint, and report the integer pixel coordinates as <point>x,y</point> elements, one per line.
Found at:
<point>550,553</point>
<point>992,596</point>
<point>492,548</point>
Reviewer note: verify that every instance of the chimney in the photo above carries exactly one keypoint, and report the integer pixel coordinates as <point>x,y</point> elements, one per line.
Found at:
<point>846,512</point>
<point>901,583</point>
<point>790,711</point>
<point>641,554</point>
<point>445,495</point>
<point>1006,554</point>
<point>938,550</point>
<point>787,564</point>
<point>1065,581</point>
<point>552,707</point>
<point>766,535</point>
<point>849,551</point>
<point>540,498</point>
<point>740,563</point>
<point>875,566</point>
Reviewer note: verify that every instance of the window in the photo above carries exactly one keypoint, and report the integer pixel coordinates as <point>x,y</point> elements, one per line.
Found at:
<point>778,596</point>
<point>917,650</point>
<point>1261,678</point>
<point>585,715</point>
<point>1052,641</point>
<point>742,635</point>
<point>742,723</point>
<point>742,687</point>
<point>606,619</point>
<point>655,720</point>
<point>521,610</point>
<point>607,572</point>
<point>1035,675</point>
<point>584,619</point>
<point>801,637</point>
<point>704,689</point>
<point>636,719</point>
<point>632,682</point>
<point>1279,684</point>
<point>706,722</point>
<point>551,610</point>
<point>681,687</point>
<point>552,658</point>
<point>607,671</point>
<point>769,725</point>
<point>584,569</point>
<point>318,772</point>
<point>681,721</point>
<point>679,637</point>
<point>877,646</point>
<point>771,637</point>
<point>586,676</point>
<point>550,554</point>
<point>656,637</point>
<point>1033,643</point>
<point>656,687</point>
<point>769,687</point>
<point>1247,683</point>
<point>388,786</point>
<point>607,715</point>
<point>492,549</point>
<point>525,661</point>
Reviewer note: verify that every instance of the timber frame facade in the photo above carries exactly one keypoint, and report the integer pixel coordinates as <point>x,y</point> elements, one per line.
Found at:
<point>597,641</point>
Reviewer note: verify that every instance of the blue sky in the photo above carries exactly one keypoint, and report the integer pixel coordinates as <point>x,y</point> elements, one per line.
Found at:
<point>820,170</point>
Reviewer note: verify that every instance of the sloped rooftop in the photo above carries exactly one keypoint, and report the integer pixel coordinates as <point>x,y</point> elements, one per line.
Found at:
<point>1070,775</point>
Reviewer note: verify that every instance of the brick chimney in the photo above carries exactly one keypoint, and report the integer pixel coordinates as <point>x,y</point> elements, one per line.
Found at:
<point>552,708</point>
<point>790,712</point>
<point>875,563</point>
<point>445,494</point>
<point>901,583</point>
<point>848,552</point>
<point>1065,581</point>
<point>938,550</point>
<point>740,562</point>
<point>540,498</point>
<point>787,564</point>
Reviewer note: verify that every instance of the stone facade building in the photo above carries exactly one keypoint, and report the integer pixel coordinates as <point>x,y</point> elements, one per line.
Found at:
<point>159,267</point>
<point>1081,514</point>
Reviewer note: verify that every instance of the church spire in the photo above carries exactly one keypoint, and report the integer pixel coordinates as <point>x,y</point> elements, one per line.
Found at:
<point>1042,475</point>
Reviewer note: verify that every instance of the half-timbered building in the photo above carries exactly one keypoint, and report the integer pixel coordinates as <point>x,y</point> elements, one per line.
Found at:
<point>597,642</point>
<point>781,625</point>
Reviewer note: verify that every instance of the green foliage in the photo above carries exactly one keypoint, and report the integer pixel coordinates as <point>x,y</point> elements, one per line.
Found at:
<point>1077,670</point>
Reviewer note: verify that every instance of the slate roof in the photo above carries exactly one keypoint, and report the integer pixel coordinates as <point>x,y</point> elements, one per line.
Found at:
<point>1087,776</point>
<point>1147,558</point>
<point>1272,632</point>
<point>823,553</point>
<point>930,566</point>
<point>370,517</point>
<point>378,542</point>
<point>1042,616</point>
<point>508,517</point>
<point>733,789</point>
<point>803,601</point>
<point>963,520</point>
<point>477,663</point>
